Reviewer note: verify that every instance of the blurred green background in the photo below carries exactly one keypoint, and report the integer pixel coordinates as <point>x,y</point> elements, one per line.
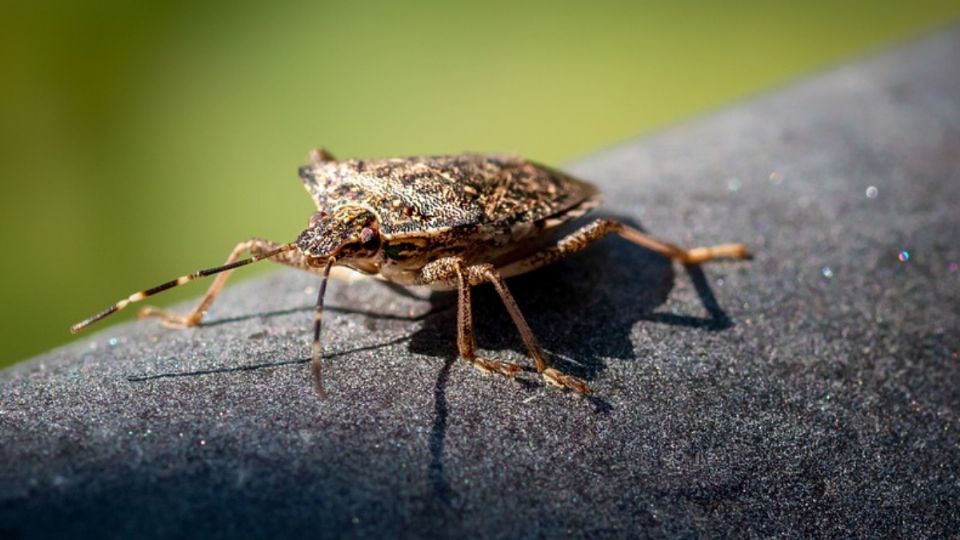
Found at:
<point>141,141</point>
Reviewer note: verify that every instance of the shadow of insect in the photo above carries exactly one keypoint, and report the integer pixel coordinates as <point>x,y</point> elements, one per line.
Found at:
<point>583,309</point>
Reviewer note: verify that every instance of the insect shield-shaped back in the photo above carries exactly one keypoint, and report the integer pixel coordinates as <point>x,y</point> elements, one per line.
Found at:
<point>348,234</point>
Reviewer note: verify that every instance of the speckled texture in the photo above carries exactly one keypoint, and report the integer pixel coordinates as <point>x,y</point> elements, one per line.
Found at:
<point>812,391</point>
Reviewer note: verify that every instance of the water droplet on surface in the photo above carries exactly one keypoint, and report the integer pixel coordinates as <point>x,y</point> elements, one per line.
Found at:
<point>904,256</point>
<point>113,341</point>
<point>827,272</point>
<point>733,184</point>
<point>872,192</point>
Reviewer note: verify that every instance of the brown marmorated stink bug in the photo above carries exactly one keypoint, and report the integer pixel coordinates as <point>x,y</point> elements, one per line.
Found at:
<point>447,222</point>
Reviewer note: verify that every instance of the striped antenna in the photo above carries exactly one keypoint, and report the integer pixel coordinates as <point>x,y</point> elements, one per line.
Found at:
<point>137,296</point>
<point>317,322</point>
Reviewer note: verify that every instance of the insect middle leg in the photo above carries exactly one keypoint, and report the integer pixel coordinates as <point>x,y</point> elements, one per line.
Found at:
<point>455,271</point>
<point>594,231</point>
<point>256,246</point>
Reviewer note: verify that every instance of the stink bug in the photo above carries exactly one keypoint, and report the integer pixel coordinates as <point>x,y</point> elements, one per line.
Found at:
<point>447,222</point>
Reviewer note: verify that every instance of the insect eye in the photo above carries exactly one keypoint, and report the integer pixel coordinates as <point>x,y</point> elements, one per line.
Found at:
<point>316,217</point>
<point>369,237</point>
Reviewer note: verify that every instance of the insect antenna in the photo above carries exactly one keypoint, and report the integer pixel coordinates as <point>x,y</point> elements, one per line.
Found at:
<point>137,296</point>
<point>317,323</point>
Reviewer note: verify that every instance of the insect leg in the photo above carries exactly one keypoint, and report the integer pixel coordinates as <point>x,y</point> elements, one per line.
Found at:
<point>232,263</point>
<point>455,272</point>
<point>591,232</point>
<point>466,339</point>
<point>549,374</point>
<point>695,255</point>
<point>257,247</point>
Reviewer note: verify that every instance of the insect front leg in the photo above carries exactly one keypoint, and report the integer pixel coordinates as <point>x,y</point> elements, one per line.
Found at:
<point>454,271</point>
<point>256,246</point>
<point>594,231</point>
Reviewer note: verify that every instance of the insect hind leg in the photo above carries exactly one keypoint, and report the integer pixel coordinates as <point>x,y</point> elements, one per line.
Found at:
<point>695,255</point>
<point>597,229</point>
<point>256,247</point>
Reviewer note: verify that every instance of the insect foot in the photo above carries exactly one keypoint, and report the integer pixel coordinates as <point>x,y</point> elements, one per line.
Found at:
<point>554,377</point>
<point>170,320</point>
<point>489,366</point>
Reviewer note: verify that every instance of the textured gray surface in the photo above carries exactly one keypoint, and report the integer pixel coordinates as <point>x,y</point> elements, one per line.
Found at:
<point>812,391</point>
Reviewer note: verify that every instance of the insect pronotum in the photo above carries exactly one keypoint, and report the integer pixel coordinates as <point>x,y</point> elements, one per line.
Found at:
<point>447,222</point>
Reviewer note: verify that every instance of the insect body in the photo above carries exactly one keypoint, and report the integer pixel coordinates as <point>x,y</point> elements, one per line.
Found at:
<point>448,222</point>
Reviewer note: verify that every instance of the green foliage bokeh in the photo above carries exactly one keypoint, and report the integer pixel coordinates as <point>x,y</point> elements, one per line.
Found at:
<point>143,140</point>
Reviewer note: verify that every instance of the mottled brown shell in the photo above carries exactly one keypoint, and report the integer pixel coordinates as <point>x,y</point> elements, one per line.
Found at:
<point>432,194</point>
